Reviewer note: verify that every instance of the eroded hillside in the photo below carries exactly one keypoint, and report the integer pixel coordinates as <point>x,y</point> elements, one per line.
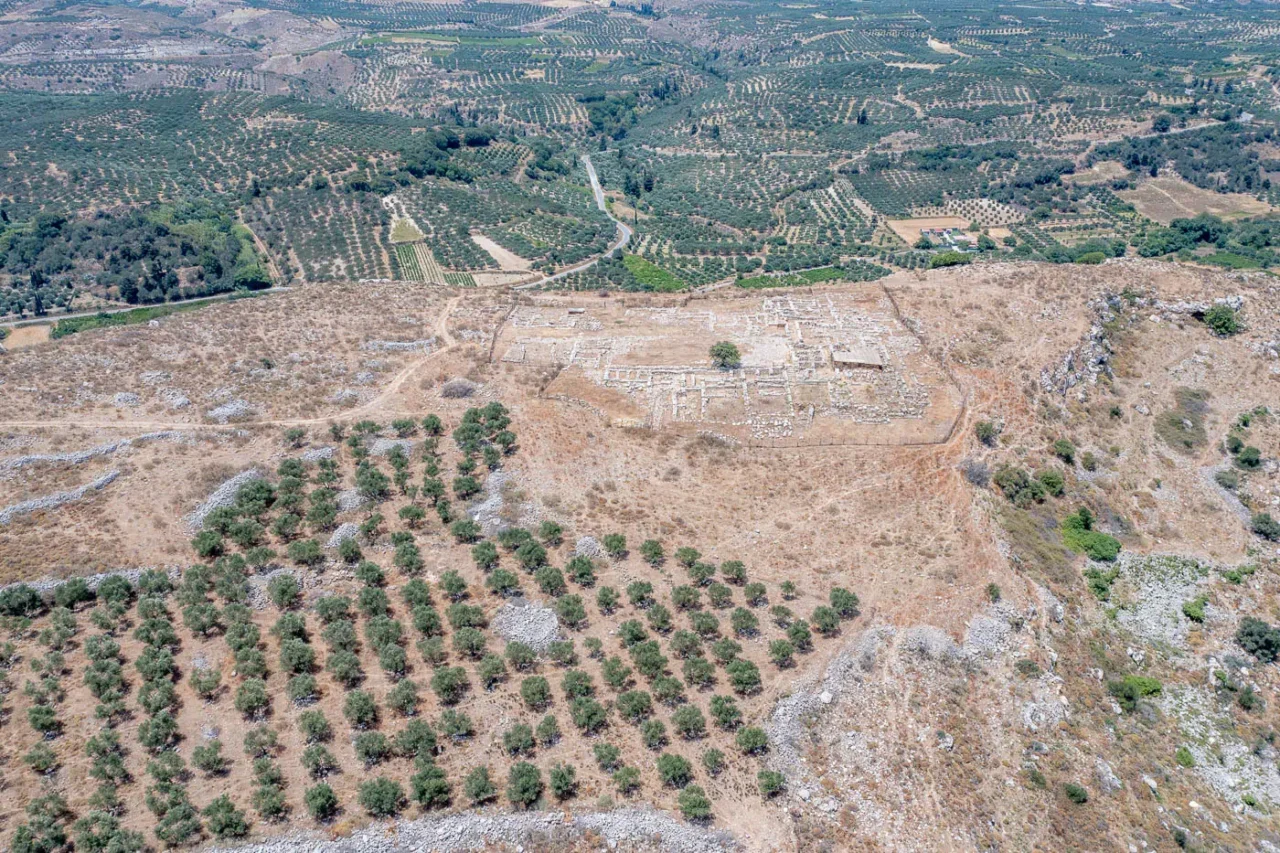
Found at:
<point>987,665</point>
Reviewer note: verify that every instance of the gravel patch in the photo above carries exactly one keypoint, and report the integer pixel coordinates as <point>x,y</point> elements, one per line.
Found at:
<point>643,827</point>
<point>346,530</point>
<point>57,499</point>
<point>529,623</point>
<point>230,410</point>
<point>125,400</point>
<point>224,495</point>
<point>315,454</point>
<point>79,457</point>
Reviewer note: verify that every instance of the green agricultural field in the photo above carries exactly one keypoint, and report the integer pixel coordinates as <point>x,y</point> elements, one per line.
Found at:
<point>651,276</point>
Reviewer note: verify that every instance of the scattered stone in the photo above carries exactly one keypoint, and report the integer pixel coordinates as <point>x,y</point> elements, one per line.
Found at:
<point>350,499</point>
<point>315,454</point>
<point>789,726</point>
<point>229,411</point>
<point>529,623</point>
<point>930,642</point>
<point>399,346</point>
<point>345,395</point>
<point>1150,783</point>
<point>986,636</point>
<point>497,510</point>
<point>1151,589</point>
<point>346,530</point>
<point>175,399</point>
<point>825,697</point>
<point>125,400</point>
<point>589,547</point>
<point>383,446</point>
<point>224,495</point>
<point>258,597</point>
<point>57,499</point>
<point>1052,605</point>
<point>79,457</point>
<point>539,830</point>
<point>458,388</point>
<point>1108,782</point>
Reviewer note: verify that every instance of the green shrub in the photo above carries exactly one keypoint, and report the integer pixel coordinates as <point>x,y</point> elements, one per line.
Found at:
<point>694,804</point>
<point>1222,321</point>
<point>224,820</point>
<point>1065,450</point>
<point>771,783</point>
<point>1076,793</point>
<point>564,781</point>
<point>524,785</point>
<point>1078,535</point>
<point>987,433</point>
<point>1184,757</point>
<point>1131,688</point>
<point>1194,609</point>
<point>479,787</point>
<point>430,785</point>
<point>674,770</point>
<point>627,779</point>
<point>1053,481</point>
<point>321,802</point>
<point>1018,486</point>
<point>382,797</point>
<point>1265,526</point>
<point>1259,639</point>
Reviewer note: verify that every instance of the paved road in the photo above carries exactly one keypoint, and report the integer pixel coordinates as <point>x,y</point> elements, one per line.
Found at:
<point>624,232</point>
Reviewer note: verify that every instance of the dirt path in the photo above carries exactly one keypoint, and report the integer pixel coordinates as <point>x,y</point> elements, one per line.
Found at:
<point>262,250</point>
<point>441,330</point>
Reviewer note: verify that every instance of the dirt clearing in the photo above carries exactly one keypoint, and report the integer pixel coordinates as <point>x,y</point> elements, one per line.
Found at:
<point>1167,199</point>
<point>27,336</point>
<point>507,259</point>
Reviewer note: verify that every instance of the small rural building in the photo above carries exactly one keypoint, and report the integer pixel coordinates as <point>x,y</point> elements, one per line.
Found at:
<point>856,356</point>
